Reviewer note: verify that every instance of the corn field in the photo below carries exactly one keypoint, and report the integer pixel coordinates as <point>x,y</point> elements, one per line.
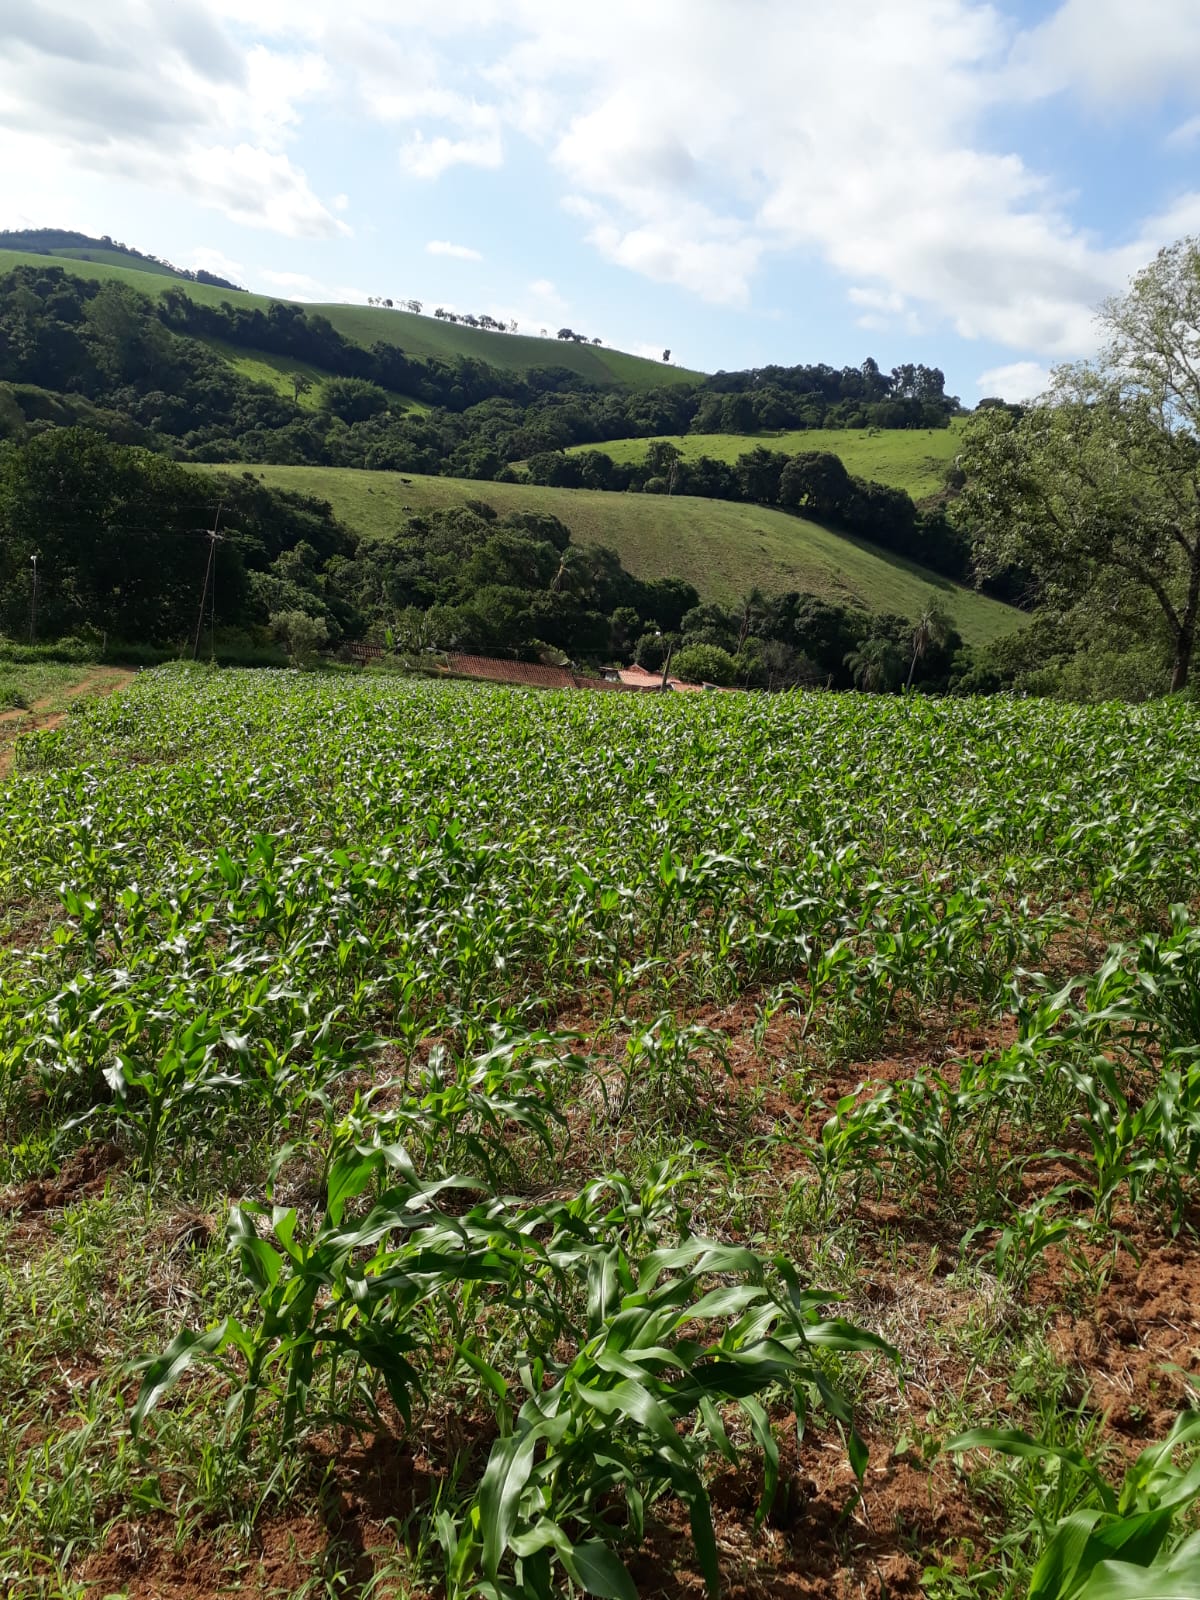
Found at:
<point>463,1141</point>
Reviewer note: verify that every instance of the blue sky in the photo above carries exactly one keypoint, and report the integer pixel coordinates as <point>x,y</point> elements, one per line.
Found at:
<point>740,180</point>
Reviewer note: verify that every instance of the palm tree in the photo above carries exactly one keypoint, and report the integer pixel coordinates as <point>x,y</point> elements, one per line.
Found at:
<point>876,665</point>
<point>574,575</point>
<point>932,628</point>
<point>753,609</point>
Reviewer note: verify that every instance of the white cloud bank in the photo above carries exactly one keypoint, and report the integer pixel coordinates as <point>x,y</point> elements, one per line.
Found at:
<point>1018,380</point>
<point>167,97</point>
<point>690,139</point>
<point>695,137</point>
<point>458,252</point>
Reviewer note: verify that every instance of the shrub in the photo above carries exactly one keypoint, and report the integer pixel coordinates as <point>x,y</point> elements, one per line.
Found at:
<point>706,663</point>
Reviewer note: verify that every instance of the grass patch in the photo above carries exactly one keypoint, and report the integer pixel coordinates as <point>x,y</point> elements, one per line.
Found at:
<point>275,372</point>
<point>24,684</point>
<point>721,547</point>
<point>915,460</point>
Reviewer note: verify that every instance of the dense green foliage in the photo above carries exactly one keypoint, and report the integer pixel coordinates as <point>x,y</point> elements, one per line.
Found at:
<point>293,948</point>
<point>1096,488</point>
<point>121,540</point>
<point>103,344</point>
<point>722,548</point>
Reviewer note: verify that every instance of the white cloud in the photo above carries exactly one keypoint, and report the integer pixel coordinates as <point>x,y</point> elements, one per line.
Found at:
<point>300,286</point>
<point>1184,135</point>
<point>691,139</point>
<point>1111,51</point>
<point>1019,380</point>
<point>259,188</point>
<point>292,283</point>
<point>166,97</point>
<point>460,252</point>
<point>689,155</point>
<point>880,300</point>
<point>202,258</point>
<point>430,158</point>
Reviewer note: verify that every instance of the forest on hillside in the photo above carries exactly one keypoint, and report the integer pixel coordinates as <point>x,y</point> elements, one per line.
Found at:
<point>133,547</point>
<point>147,371</point>
<point>152,375</point>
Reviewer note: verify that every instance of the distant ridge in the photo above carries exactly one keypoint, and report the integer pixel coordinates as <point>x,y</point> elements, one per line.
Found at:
<point>72,246</point>
<point>421,337</point>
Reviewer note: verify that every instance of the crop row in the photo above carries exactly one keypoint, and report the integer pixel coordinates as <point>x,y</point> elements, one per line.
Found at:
<point>392,964</point>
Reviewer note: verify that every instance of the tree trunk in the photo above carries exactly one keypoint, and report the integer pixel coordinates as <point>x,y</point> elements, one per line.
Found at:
<point>1185,639</point>
<point>911,670</point>
<point>1182,665</point>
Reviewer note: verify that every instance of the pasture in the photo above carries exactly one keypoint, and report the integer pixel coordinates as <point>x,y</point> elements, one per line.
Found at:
<point>721,547</point>
<point>468,1141</point>
<point>913,459</point>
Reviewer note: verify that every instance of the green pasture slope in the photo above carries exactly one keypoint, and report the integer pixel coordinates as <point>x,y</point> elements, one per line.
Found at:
<point>419,337</point>
<point>274,372</point>
<point>722,548</point>
<point>913,459</point>
<point>115,258</point>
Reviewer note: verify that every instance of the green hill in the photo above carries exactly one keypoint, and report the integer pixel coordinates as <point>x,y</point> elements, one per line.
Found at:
<point>913,459</point>
<point>116,258</point>
<point>418,336</point>
<point>275,372</point>
<point>720,547</point>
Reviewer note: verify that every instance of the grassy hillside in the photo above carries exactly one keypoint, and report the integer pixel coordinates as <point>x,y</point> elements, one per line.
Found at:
<point>116,258</point>
<point>420,337</point>
<point>912,459</point>
<point>262,366</point>
<point>722,548</point>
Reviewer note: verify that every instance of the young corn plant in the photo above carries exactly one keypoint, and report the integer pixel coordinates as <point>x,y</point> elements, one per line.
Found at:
<point>672,1348</point>
<point>348,1302</point>
<point>1125,1544</point>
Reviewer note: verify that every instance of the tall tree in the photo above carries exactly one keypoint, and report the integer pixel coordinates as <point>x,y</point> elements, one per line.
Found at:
<point>1096,488</point>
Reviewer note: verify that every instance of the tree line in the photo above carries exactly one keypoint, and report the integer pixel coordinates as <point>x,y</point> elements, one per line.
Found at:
<point>144,371</point>
<point>35,241</point>
<point>123,539</point>
<point>815,483</point>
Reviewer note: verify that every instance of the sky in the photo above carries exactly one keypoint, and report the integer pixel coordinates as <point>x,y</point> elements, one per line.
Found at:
<point>741,181</point>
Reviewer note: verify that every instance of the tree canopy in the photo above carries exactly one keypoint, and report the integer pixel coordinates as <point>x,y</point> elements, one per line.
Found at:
<point>1096,488</point>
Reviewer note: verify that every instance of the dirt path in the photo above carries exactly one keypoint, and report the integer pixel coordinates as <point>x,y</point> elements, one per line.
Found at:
<point>101,681</point>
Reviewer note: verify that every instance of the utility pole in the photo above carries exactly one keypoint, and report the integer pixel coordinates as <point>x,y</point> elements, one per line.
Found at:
<point>213,536</point>
<point>662,688</point>
<point>33,601</point>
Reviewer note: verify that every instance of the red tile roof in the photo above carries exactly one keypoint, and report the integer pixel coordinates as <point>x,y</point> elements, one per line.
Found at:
<point>496,670</point>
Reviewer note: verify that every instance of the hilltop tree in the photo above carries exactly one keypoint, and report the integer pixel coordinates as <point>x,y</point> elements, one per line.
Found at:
<point>1096,488</point>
